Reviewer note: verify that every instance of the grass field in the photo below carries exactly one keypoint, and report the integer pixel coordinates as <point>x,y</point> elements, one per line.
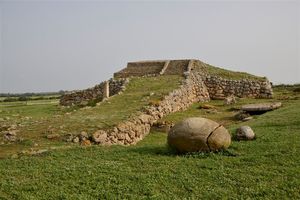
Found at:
<point>266,168</point>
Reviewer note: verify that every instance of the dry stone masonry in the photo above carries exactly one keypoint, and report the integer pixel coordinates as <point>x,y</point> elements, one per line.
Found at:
<point>198,86</point>
<point>219,88</point>
<point>97,93</point>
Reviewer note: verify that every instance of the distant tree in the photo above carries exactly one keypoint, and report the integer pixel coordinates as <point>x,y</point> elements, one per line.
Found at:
<point>61,92</point>
<point>9,99</point>
<point>23,98</point>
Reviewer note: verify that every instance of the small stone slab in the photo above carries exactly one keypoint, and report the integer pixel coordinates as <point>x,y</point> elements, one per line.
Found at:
<point>261,107</point>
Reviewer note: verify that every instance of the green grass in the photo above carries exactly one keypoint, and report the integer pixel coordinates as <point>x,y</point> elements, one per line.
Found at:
<point>228,74</point>
<point>267,168</point>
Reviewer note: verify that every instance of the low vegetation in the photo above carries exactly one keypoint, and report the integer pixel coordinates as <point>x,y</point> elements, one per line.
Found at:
<point>228,74</point>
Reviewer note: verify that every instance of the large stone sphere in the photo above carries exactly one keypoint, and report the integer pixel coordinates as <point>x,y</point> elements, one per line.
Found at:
<point>198,134</point>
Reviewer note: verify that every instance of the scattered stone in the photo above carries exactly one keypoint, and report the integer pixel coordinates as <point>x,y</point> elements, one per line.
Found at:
<point>163,126</point>
<point>14,156</point>
<point>245,133</point>
<point>50,130</point>
<point>12,127</point>
<point>242,115</point>
<point>261,107</point>
<point>198,134</point>
<point>4,127</point>
<point>86,143</point>
<point>53,136</point>
<point>10,136</point>
<point>230,100</point>
<point>207,106</point>
<point>83,135</point>
<point>27,118</point>
<point>38,152</point>
<point>99,136</point>
<point>68,137</point>
<point>33,152</point>
<point>213,111</point>
<point>247,119</point>
<point>76,139</point>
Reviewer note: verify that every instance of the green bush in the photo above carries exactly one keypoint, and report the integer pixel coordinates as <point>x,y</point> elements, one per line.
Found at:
<point>23,98</point>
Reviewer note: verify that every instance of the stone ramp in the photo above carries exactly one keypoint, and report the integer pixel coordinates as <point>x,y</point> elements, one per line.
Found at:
<point>142,68</point>
<point>160,67</point>
<point>177,67</point>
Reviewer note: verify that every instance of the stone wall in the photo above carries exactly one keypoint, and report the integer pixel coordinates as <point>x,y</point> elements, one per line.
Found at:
<point>219,88</point>
<point>117,85</point>
<point>133,130</point>
<point>83,97</point>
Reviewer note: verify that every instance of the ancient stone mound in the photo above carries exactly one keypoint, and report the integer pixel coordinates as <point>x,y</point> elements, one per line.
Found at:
<point>202,82</point>
<point>215,79</point>
<point>198,134</point>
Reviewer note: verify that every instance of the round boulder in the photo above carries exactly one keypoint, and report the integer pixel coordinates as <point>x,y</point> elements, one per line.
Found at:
<point>245,133</point>
<point>198,134</point>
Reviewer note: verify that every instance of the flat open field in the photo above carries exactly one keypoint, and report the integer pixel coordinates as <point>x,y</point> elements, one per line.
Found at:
<point>266,168</point>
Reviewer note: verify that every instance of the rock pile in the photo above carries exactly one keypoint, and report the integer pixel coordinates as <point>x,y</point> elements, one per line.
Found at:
<point>83,138</point>
<point>9,133</point>
<point>230,100</point>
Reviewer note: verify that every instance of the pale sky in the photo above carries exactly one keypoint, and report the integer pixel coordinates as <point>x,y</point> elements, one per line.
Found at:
<point>54,45</point>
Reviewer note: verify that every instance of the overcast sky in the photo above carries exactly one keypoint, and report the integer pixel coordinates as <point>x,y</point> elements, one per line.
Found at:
<point>54,45</point>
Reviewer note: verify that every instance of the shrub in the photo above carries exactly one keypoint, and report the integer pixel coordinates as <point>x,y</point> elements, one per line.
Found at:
<point>23,98</point>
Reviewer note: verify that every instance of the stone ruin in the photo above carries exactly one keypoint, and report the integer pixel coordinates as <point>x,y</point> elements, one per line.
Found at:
<point>198,86</point>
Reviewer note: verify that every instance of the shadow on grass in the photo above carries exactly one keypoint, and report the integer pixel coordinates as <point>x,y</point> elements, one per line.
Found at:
<point>168,151</point>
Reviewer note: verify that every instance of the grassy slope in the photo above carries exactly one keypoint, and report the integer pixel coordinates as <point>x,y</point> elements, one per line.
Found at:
<point>228,74</point>
<point>75,120</point>
<point>267,168</point>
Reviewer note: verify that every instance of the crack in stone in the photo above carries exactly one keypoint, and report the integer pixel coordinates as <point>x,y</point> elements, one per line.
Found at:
<point>210,135</point>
